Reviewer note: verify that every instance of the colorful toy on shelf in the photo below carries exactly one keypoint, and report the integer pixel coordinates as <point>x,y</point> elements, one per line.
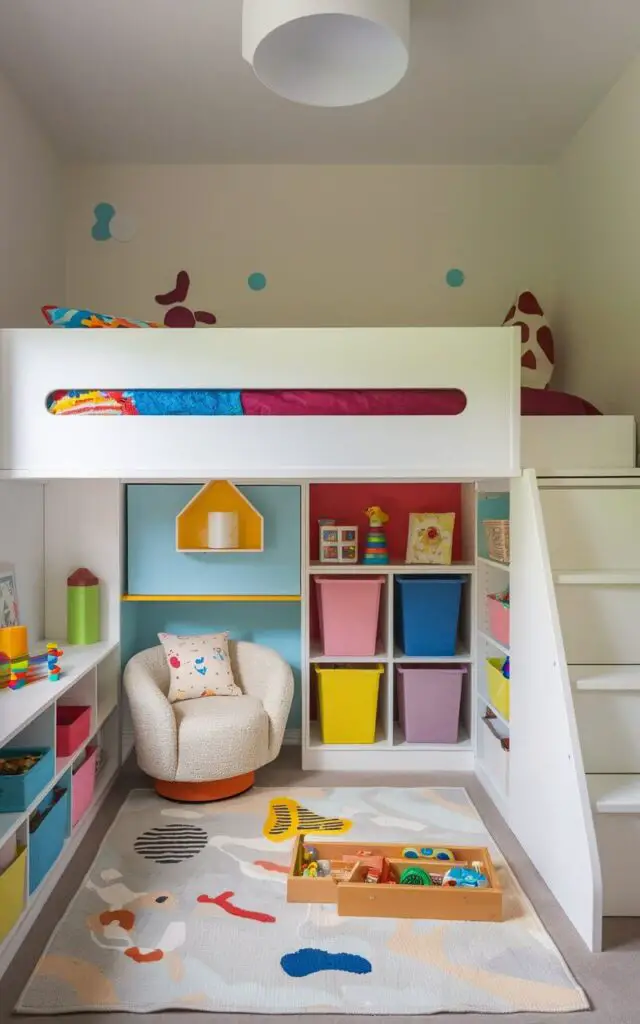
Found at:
<point>17,668</point>
<point>376,551</point>
<point>506,668</point>
<point>54,653</point>
<point>338,544</point>
<point>83,607</point>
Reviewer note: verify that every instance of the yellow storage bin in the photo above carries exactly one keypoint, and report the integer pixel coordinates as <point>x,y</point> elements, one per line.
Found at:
<point>348,702</point>
<point>12,892</point>
<point>498,686</point>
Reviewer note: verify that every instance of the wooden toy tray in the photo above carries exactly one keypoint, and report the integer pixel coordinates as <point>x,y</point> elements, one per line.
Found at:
<point>354,897</point>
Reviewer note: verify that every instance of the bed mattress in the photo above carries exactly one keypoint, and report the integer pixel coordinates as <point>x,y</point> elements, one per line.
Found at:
<point>211,402</point>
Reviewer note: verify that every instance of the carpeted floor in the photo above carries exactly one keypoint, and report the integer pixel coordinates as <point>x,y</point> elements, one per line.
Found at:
<point>185,908</point>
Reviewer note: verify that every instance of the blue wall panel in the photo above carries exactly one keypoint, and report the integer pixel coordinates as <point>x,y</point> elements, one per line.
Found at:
<point>276,625</point>
<point>155,567</point>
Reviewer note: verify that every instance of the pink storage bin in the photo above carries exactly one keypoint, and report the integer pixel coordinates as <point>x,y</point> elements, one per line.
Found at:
<point>82,786</point>
<point>429,703</point>
<point>498,619</point>
<point>72,728</point>
<point>348,609</point>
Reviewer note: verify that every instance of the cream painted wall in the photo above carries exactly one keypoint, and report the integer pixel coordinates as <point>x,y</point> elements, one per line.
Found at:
<point>31,216</point>
<point>599,301</point>
<point>339,245</point>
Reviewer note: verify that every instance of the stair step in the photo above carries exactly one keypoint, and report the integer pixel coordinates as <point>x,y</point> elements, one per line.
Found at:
<point>615,794</point>
<point>598,578</point>
<point>612,678</point>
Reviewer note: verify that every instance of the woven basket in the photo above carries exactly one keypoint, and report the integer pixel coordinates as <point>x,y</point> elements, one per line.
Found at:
<point>497,534</point>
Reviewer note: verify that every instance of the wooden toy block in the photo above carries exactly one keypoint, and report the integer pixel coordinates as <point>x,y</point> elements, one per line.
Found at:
<point>13,642</point>
<point>354,897</point>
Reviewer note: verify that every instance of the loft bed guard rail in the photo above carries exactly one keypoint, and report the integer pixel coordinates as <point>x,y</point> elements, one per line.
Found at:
<point>481,441</point>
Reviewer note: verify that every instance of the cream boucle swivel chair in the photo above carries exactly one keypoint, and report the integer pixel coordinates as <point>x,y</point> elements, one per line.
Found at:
<point>209,748</point>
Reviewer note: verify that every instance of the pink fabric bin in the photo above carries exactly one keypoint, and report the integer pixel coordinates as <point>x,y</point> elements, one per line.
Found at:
<point>348,609</point>
<point>73,725</point>
<point>498,617</point>
<point>429,703</point>
<point>82,786</point>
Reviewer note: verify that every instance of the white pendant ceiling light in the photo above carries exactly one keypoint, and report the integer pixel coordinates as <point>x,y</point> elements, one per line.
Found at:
<point>327,53</point>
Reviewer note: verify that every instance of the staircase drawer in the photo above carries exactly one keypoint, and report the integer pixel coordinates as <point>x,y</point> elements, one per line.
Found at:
<point>600,624</point>
<point>609,728</point>
<point>592,528</point>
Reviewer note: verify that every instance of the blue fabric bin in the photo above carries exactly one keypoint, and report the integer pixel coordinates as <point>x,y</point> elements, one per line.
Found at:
<point>18,791</point>
<point>46,842</point>
<point>428,609</point>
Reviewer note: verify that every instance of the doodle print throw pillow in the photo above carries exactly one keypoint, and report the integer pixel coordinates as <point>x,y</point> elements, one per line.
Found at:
<point>200,666</point>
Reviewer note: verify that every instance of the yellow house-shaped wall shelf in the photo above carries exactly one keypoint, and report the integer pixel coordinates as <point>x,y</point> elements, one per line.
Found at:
<point>218,496</point>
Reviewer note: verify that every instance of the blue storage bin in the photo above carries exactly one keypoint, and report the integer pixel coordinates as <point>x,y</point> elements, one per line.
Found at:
<point>46,842</point>
<point>428,609</point>
<point>18,791</point>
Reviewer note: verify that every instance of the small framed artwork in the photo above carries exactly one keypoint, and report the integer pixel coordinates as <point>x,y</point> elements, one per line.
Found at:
<point>338,544</point>
<point>430,539</point>
<point>9,611</point>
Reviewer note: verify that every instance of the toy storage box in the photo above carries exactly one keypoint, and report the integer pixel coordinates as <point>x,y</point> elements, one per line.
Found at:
<point>498,617</point>
<point>82,785</point>
<point>348,703</point>
<point>428,610</point>
<point>498,687</point>
<point>429,703</point>
<point>18,791</point>
<point>12,892</point>
<point>355,898</point>
<point>48,838</point>
<point>348,609</point>
<point>73,725</point>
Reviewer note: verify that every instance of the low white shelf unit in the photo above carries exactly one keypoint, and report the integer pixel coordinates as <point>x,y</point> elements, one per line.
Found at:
<point>91,678</point>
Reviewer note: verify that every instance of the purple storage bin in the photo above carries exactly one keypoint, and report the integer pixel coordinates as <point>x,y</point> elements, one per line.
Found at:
<point>429,703</point>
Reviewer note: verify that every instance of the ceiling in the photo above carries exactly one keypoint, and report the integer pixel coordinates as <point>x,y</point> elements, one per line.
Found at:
<point>163,81</point>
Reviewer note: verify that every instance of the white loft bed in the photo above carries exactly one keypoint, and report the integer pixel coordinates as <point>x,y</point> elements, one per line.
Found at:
<point>482,442</point>
<point>83,460</point>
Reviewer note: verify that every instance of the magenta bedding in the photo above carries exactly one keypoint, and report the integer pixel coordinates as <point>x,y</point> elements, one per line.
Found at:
<point>399,403</point>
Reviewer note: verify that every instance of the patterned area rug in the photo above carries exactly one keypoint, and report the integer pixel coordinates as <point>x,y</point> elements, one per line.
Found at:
<point>184,907</point>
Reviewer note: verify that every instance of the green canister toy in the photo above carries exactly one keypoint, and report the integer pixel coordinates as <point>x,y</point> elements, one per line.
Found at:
<point>83,607</point>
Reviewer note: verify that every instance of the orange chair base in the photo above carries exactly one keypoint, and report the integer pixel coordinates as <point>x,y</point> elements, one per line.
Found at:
<point>205,792</point>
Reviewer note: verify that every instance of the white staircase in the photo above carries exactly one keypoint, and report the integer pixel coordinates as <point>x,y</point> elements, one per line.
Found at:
<point>592,528</point>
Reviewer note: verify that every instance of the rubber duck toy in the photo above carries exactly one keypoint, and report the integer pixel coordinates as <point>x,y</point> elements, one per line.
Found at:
<point>376,551</point>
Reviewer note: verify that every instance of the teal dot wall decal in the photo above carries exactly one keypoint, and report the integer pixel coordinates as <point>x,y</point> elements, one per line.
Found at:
<point>257,282</point>
<point>455,278</point>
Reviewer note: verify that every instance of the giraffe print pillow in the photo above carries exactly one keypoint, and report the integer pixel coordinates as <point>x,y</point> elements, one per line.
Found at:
<point>200,666</point>
<point>536,352</point>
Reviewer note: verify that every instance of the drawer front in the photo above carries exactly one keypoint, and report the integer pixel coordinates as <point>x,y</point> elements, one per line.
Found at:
<point>600,624</point>
<point>592,528</point>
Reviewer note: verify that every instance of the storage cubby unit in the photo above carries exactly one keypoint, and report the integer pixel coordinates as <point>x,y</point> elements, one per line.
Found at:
<point>38,828</point>
<point>353,589</point>
<point>492,652</point>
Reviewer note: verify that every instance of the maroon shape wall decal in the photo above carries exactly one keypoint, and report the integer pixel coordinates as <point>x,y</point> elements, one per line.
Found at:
<point>179,315</point>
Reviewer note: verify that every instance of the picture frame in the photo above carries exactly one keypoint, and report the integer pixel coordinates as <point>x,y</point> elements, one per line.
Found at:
<point>430,538</point>
<point>338,544</point>
<point>9,607</point>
